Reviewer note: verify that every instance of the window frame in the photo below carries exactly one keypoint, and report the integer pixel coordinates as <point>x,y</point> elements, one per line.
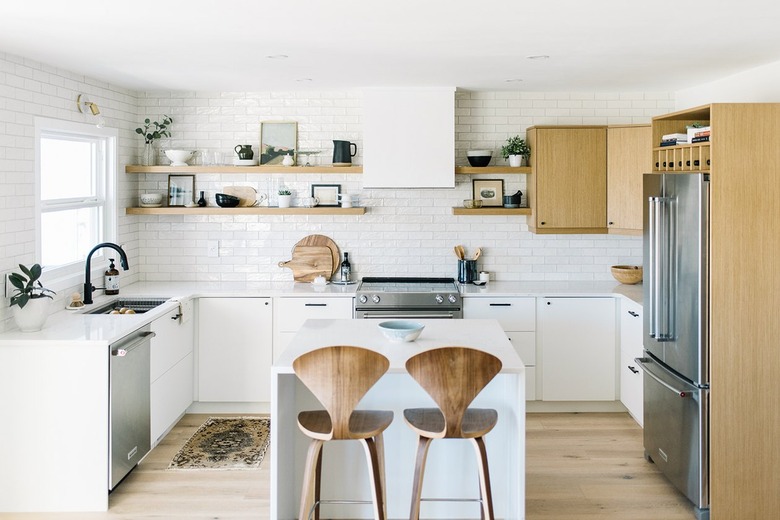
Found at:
<point>67,275</point>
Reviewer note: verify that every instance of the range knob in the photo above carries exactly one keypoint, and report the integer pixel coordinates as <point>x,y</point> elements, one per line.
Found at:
<point>375,298</point>
<point>363,298</point>
<point>452,298</point>
<point>439,298</point>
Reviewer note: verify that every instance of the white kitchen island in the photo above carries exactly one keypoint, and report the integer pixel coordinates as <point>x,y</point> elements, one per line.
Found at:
<point>451,470</point>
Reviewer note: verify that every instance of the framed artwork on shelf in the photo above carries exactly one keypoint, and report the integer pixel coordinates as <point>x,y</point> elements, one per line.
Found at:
<point>489,191</point>
<point>277,139</point>
<point>328,194</point>
<point>181,190</point>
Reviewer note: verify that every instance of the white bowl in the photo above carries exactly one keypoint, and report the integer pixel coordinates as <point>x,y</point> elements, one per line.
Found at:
<point>401,330</point>
<point>179,157</point>
<point>151,198</point>
<point>479,153</point>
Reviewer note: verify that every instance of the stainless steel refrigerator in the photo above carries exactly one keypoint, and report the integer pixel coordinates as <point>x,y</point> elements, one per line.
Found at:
<point>676,331</point>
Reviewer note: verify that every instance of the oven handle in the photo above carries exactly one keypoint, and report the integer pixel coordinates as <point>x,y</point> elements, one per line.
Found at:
<point>442,316</point>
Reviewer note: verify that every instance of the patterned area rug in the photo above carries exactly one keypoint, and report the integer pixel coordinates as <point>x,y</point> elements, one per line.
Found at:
<point>226,443</point>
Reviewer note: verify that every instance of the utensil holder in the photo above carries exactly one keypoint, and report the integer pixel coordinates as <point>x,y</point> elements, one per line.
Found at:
<point>467,271</point>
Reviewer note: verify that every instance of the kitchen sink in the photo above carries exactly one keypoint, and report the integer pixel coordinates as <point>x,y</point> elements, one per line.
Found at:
<point>139,305</point>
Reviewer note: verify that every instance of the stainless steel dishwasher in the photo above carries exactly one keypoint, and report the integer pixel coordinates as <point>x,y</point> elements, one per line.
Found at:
<point>129,432</point>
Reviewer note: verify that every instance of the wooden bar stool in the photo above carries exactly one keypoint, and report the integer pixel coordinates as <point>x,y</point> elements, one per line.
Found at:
<point>453,377</point>
<point>339,377</point>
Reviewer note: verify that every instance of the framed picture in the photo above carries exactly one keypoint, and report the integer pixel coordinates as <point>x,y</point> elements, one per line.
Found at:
<point>489,191</point>
<point>181,189</point>
<point>277,139</point>
<point>328,194</point>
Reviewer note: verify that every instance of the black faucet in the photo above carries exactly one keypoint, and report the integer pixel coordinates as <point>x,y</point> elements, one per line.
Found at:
<point>88,287</point>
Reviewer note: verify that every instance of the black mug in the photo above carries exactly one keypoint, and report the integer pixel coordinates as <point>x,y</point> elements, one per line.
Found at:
<point>342,153</point>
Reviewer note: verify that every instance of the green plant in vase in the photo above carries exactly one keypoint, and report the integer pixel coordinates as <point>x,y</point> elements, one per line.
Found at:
<point>515,149</point>
<point>30,303</point>
<point>152,131</point>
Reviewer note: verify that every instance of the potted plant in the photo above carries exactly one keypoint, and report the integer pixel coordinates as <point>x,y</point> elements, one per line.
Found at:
<point>30,303</point>
<point>285,196</point>
<point>151,131</point>
<point>515,149</point>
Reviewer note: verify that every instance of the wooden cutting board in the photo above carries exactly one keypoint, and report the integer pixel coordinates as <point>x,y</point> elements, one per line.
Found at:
<point>309,262</point>
<point>322,240</point>
<point>247,194</point>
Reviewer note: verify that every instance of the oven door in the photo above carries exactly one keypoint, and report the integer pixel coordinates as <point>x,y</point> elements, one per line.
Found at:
<point>401,314</point>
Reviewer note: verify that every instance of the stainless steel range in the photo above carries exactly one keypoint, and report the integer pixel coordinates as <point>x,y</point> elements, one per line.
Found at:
<point>398,297</point>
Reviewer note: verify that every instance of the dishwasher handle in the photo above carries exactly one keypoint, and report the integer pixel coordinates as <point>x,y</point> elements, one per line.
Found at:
<point>126,349</point>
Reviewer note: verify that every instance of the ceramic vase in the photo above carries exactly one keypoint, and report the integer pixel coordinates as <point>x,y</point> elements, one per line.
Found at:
<point>515,161</point>
<point>284,201</point>
<point>33,316</point>
<point>148,155</point>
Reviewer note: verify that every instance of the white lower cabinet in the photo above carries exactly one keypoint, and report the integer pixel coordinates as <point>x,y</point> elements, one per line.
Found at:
<point>517,316</point>
<point>234,349</point>
<point>631,385</point>
<point>578,349</point>
<point>171,368</point>
<point>291,312</point>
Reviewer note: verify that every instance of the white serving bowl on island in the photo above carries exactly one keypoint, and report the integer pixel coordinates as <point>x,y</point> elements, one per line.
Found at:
<point>179,157</point>
<point>401,330</point>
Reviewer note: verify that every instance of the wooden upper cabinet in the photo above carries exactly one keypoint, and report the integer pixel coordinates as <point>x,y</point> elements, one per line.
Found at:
<point>629,156</point>
<point>568,188</point>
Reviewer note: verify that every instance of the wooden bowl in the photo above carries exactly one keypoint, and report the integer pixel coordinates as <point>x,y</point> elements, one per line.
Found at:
<point>627,274</point>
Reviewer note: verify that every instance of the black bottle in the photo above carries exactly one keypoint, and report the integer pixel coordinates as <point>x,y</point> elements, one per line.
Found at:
<point>346,268</point>
<point>202,200</point>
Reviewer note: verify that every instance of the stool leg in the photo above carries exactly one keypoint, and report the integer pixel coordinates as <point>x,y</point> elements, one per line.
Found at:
<point>484,478</point>
<point>375,477</point>
<point>311,483</point>
<point>318,484</point>
<point>423,443</point>
<point>380,450</point>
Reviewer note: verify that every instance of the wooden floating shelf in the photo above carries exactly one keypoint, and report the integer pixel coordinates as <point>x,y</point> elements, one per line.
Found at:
<point>491,211</point>
<point>492,169</point>
<point>134,168</point>
<point>246,211</point>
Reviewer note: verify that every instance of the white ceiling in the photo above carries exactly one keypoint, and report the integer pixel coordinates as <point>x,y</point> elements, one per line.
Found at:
<point>594,45</point>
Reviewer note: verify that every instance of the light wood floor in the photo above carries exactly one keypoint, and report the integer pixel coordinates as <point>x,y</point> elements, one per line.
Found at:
<point>580,467</point>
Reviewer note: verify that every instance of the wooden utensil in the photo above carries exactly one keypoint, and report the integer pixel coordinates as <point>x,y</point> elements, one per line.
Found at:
<point>460,252</point>
<point>478,253</point>
<point>322,240</point>
<point>309,262</point>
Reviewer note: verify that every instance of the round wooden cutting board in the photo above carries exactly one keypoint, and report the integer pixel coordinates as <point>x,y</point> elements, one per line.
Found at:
<point>322,240</point>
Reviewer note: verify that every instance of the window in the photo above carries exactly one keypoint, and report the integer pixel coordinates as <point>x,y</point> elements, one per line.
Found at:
<point>76,167</point>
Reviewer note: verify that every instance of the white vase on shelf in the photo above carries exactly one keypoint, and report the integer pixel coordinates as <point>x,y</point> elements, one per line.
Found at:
<point>284,201</point>
<point>515,161</point>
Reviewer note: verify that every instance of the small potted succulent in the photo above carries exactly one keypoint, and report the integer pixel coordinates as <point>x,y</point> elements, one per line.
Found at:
<point>515,150</point>
<point>30,303</point>
<point>151,131</point>
<point>285,197</point>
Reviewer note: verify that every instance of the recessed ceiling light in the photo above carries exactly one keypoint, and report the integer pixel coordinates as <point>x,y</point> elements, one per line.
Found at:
<point>513,80</point>
<point>303,80</point>
<point>537,57</point>
<point>277,57</point>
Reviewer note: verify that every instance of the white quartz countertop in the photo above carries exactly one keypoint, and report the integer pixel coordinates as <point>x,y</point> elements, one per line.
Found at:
<point>70,327</point>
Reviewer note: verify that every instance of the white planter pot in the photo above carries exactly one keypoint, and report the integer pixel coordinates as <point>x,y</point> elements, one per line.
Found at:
<point>33,316</point>
<point>284,201</point>
<point>515,161</point>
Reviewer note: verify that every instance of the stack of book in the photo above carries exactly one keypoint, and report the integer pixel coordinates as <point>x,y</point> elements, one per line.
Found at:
<point>674,139</point>
<point>699,135</point>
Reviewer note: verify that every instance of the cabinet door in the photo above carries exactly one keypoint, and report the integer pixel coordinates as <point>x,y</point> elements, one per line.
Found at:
<point>174,338</point>
<point>629,155</point>
<point>569,181</point>
<point>234,349</point>
<point>511,313</point>
<point>290,313</point>
<point>171,395</point>
<point>631,328</point>
<point>631,389</point>
<point>578,349</point>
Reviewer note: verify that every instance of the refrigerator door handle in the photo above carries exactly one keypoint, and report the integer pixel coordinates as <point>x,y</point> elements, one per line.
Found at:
<point>649,372</point>
<point>661,268</point>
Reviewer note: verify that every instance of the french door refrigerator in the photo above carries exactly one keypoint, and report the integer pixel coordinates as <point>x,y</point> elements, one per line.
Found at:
<point>676,331</point>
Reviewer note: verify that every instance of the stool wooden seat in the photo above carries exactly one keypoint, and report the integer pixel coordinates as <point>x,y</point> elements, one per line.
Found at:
<point>453,377</point>
<point>339,377</point>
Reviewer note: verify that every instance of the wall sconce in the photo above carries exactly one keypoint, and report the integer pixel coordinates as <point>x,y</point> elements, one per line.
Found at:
<point>86,106</point>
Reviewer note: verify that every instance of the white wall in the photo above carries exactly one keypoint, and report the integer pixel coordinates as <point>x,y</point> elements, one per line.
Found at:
<point>404,232</point>
<point>758,85</point>
<point>29,89</point>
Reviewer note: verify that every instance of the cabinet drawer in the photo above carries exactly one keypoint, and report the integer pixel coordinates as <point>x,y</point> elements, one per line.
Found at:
<point>631,389</point>
<point>512,313</point>
<point>525,345</point>
<point>292,312</point>
<point>631,328</point>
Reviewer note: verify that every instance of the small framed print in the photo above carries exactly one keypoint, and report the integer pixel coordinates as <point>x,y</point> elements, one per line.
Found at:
<point>277,139</point>
<point>489,191</point>
<point>328,194</point>
<point>181,189</point>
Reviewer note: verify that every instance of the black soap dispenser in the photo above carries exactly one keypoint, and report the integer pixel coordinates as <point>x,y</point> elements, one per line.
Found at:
<point>112,279</point>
